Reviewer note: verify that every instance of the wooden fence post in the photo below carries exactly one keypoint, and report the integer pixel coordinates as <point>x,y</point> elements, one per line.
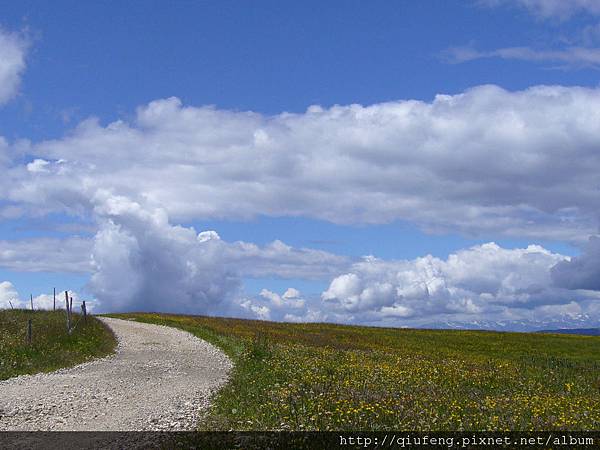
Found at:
<point>29,331</point>
<point>84,310</point>
<point>54,296</point>
<point>31,300</point>
<point>68,312</point>
<point>10,303</point>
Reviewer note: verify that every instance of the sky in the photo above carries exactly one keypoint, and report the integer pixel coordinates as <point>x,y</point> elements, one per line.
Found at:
<point>405,163</point>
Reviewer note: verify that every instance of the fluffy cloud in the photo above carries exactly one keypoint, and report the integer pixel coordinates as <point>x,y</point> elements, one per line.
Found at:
<point>138,260</point>
<point>291,299</point>
<point>483,282</point>
<point>290,306</point>
<point>141,261</point>
<point>561,9</point>
<point>8,295</point>
<point>13,48</point>
<point>485,161</point>
<point>485,286</point>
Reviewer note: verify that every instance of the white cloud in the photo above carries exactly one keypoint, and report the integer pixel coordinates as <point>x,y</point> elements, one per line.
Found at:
<point>291,293</point>
<point>141,261</point>
<point>13,49</point>
<point>484,282</point>
<point>483,286</point>
<point>8,295</point>
<point>38,165</point>
<point>290,299</point>
<point>280,260</point>
<point>10,298</point>
<point>208,236</point>
<point>47,255</point>
<point>572,57</point>
<point>291,306</point>
<point>561,9</point>
<point>46,301</point>
<point>486,161</point>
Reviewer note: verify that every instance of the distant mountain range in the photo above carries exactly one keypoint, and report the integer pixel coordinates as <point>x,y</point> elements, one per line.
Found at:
<point>581,331</point>
<point>580,324</point>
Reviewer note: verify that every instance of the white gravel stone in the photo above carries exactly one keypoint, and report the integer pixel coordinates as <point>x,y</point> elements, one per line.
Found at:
<point>160,378</point>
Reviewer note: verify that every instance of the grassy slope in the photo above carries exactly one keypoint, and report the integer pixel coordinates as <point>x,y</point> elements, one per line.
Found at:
<point>51,348</point>
<point>332,377</point>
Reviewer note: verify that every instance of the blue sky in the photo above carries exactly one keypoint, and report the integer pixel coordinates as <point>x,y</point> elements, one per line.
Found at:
<point>91,106</point>
<point>106,58</point>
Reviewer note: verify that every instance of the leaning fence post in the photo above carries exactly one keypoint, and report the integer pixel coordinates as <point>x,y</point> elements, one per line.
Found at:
<point>10,303</point>
<point>29,331</point>
<point>68,312</point>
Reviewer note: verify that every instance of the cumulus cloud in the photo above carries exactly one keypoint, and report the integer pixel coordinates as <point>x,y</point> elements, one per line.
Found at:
<point>290,306</point>
<point>8,295</point>
<point>580,272</point>
<point>13,49</point>
<point>485,161</point>
<point>481,162</point>
<point>141,261</point>
<point>561,9</point>
<point>483,282</point>
<point>291,299</point>
<point>485,286</point>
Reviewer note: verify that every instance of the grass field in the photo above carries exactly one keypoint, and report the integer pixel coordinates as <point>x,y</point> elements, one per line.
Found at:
<point>332,377</point>
<point>51,347</point>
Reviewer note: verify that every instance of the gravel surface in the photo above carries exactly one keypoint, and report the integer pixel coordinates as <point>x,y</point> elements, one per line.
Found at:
<point>160,378</point>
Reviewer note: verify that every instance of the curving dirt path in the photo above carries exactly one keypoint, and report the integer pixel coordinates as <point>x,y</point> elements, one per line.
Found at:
<point>161,378</point>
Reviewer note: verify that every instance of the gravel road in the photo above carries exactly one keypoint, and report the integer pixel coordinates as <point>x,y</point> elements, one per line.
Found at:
<point>161,378</point>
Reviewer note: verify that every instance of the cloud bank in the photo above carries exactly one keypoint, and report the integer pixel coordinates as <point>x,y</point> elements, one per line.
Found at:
<point>480,287</point>
<point>484,281</point>
<point>487,161</point>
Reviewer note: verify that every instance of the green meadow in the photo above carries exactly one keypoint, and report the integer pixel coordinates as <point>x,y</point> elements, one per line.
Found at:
<point>51,346</point>
<point>334,377</point>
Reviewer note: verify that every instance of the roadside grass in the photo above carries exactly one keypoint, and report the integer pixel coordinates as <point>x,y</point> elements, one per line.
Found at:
<point>51,347</point>
<point>334,377</point>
